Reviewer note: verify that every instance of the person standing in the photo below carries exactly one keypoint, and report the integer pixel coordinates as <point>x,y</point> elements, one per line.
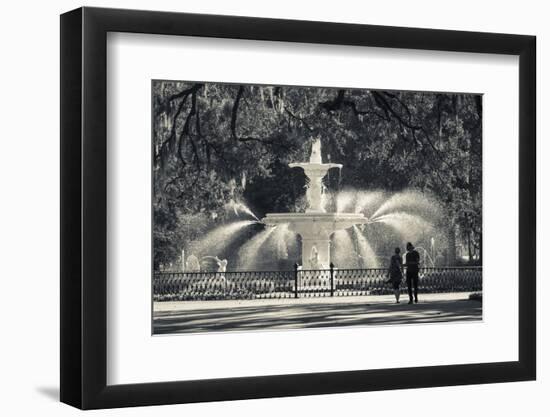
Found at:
<point>412,261</point>
<point>396,273</point>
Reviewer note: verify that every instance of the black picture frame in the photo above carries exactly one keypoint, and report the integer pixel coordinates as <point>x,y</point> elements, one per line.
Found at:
<point>84,207</point>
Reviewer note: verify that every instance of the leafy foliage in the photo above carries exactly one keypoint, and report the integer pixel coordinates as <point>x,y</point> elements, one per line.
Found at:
<point>215,142</point>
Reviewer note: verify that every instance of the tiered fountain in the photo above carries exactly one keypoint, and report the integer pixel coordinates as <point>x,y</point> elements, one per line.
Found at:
<point>315,226</point>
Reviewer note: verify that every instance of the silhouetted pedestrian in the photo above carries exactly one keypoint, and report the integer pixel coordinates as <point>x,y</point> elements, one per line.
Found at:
<point>412,261</point>
<point>396,273</point>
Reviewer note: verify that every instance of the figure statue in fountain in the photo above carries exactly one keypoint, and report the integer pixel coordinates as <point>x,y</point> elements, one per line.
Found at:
<point>192,264</point>
<point>222,264</point>
<point>315,156</point>
<point>314,260</point>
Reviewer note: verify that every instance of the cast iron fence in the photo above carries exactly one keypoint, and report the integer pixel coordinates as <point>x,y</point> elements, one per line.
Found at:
<point>333,282</point>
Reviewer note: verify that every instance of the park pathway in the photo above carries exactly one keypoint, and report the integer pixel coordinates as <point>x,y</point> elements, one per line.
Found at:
<point>203,316</point>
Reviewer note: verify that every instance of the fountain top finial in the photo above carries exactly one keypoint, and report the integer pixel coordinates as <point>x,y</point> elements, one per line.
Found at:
<point>315,163</point>
<point>315,157</point>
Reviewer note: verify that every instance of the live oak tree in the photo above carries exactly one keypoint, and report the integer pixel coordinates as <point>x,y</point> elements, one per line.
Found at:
<point>214,143</point>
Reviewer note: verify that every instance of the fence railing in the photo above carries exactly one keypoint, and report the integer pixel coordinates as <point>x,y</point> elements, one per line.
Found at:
<point>181,286</point>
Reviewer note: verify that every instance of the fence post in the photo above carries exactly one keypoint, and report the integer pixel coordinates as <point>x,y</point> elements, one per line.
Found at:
<point>331,279</point>
<point>296,280</point>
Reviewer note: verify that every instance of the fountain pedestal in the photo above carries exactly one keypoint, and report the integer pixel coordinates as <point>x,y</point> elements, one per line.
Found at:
<point>315,172</point>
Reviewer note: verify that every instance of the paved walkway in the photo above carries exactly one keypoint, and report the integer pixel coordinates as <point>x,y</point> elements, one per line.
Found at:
<point>201,316</point>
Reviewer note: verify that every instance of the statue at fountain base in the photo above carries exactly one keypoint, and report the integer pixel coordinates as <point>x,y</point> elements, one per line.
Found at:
<point>319,250</point>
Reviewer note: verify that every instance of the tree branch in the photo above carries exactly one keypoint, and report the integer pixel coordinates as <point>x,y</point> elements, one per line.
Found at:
<point>166,107</point>
<point>172,134</point>
<point>334,104</point>
<point>234,111</point>
<point>185,131</point>
<point>234,115</point>
<point>300,119</point>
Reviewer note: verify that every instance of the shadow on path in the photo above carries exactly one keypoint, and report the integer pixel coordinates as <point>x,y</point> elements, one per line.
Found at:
<point>313,315</point>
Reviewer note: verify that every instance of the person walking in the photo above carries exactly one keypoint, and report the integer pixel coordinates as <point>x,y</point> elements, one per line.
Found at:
<point>412,261</point>
<point>395,273</point>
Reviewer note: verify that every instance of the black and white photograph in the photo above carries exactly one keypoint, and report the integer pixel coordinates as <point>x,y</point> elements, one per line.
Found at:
<point>287,208</point>
<point>298,207</point>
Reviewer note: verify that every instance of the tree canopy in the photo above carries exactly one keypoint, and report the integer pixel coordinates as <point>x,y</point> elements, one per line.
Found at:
<point>216,142</point>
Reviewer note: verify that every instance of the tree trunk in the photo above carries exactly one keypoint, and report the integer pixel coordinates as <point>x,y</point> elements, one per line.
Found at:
<point>481,248</point>
<point>470,254</point>
<point>451,246</point>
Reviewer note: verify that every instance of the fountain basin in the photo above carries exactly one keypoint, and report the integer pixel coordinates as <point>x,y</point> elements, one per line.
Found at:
<point>315,230</point>
<point>314,169</point>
